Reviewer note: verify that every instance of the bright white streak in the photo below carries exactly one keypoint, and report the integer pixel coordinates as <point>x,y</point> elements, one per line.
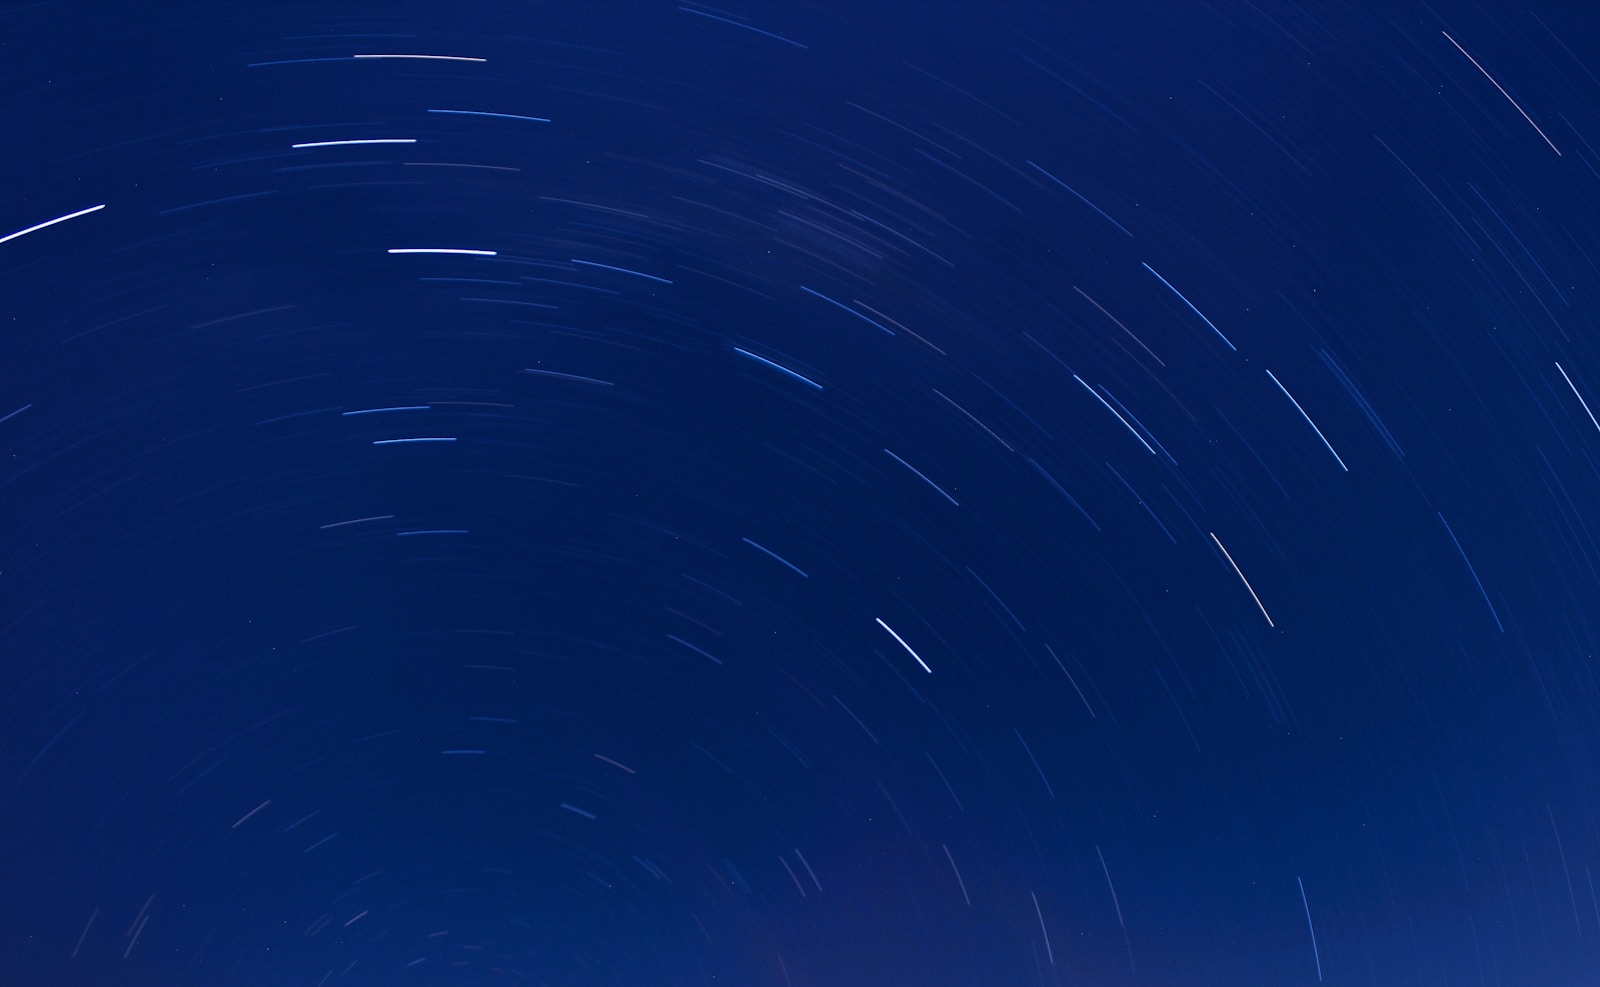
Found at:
<point>51,222</point>
<point>369,140</point>
<point>778,367</point>
<point>1502,89</point>
<point>1196,311</point>
<point>442,250</point>
<point>431,58</point>
<point>1121,419</point>
<point>924,478</point>
<point>1577,395</point>
<point>903,644</point>
<point>1307,417</point>
<point>1240,574</point>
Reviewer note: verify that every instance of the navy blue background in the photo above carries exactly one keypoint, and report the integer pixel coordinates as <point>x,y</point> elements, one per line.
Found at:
<point>819,343</point>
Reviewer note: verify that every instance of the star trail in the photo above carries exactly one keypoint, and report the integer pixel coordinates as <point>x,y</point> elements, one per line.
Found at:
<point>817,494</point>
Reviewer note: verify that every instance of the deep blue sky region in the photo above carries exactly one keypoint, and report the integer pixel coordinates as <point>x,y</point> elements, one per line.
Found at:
<point>802,494</point>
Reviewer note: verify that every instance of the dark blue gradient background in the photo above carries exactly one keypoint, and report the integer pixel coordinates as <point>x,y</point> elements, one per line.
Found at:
<point>807,326</point>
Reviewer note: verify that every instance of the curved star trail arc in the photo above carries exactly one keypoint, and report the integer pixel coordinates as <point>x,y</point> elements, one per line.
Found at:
<point>791,495</point>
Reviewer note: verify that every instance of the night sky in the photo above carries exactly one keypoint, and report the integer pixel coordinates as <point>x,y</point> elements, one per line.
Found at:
<point>804,494</point>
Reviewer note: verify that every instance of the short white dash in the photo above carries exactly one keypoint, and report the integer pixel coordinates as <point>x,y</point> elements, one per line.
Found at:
<point>616,764</point>
<point>577,811</point>
<point>246,817</point>
<point>359,520</point>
